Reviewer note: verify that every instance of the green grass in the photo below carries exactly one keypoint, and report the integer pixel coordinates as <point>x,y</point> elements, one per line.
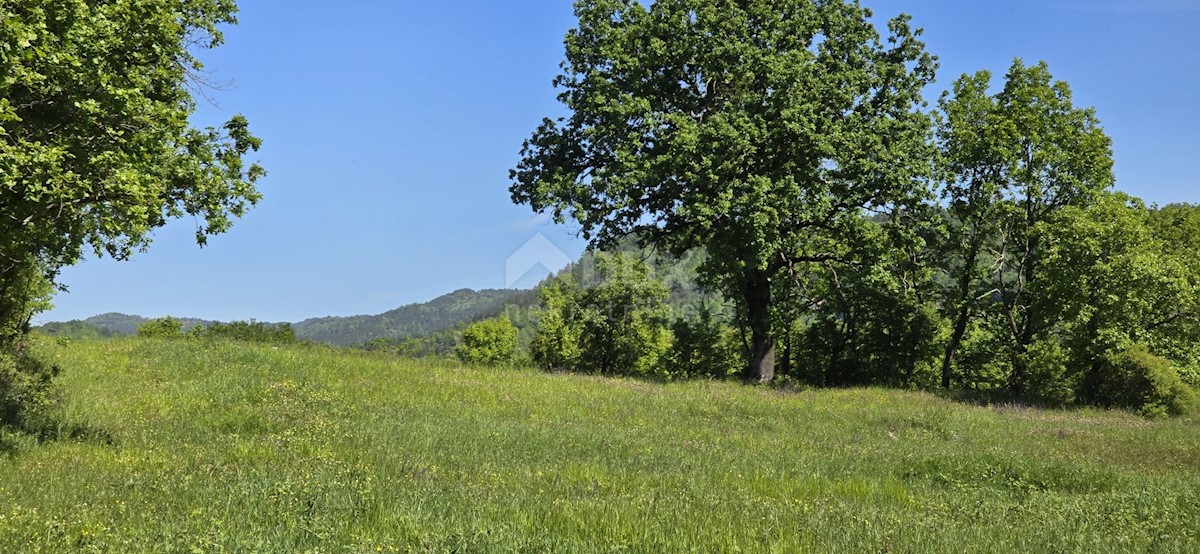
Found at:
<point>237,448</point>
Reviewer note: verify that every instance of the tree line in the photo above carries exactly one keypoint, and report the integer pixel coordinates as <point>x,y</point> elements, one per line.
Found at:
<point>861,235</point>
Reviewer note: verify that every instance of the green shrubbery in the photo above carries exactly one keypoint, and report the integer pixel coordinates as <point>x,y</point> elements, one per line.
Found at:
<point>25,388</point>
<point>489,342</point>
<point>25,376</point>
<point>250,331</point>
<point>163,328</point>
<point>617,327</point>
<point>1137,379</point>
<point>704,347</point>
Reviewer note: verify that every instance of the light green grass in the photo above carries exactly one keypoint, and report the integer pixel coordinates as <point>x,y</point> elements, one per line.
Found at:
<point>240,448</point>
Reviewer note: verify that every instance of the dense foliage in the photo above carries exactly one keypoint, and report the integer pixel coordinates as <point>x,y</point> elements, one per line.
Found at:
<point>617,327</point>
<point>249,331</point>
<point>976,248</point>
<point>757,131</point>
<point>96,147</point>
<point>492,341</point>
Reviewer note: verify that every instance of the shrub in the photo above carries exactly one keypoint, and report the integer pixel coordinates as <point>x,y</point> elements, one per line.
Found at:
<point>25,387</point>
<point>704,347</point>
<point>617,327</point>
<point>488,342</point>
<point>1048,381</point>
<point>555,347</point>
<point>249,331</point>
<point>163,327</point>
<point>1135,378</point>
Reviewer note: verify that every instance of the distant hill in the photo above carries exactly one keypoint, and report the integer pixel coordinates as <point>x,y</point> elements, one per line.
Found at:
<point>413,320</point>
<point>74,329</point>
<point>435,323</point>
<point>106,325</point>
<point>124,324</point>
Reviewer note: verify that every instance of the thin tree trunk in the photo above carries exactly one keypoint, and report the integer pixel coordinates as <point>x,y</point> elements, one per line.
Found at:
<point>786,367</point>
<point>964,306</point>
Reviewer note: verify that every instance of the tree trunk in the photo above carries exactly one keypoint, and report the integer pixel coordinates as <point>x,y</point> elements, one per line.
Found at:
<point>1020,370</point>
<point>1028,323</point>
<point>960,329</point>
<point>786,367</point>
<point>758,315</point>
<point>964,307</point>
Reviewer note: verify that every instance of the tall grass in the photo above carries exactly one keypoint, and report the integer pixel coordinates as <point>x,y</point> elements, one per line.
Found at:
<point>226,447</point>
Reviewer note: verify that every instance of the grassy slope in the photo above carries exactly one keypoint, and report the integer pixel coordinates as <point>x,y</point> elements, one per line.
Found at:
<point>245,448</point>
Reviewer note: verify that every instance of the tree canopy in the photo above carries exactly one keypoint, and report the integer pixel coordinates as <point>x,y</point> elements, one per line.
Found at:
<point>759,131</point>
<point>96,147</point>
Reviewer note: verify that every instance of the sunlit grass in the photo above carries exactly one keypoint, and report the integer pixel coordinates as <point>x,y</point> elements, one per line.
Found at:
<point>241,448</point>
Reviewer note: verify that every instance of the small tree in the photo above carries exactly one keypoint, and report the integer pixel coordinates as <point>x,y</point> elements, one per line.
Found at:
<point>618,327</point>
<point>489,342</point>
<point>161,328</point>
<point>1011,161</point>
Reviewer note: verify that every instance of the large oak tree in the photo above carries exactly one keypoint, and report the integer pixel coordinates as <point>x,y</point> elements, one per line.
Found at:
<point>760,130</point>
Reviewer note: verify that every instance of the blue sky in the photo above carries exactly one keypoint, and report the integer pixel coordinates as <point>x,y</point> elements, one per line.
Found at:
<point>390,126</point>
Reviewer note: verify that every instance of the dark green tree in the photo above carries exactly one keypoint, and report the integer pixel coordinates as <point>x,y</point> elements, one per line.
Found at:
<point>876,321</point>
<point>759,131</point>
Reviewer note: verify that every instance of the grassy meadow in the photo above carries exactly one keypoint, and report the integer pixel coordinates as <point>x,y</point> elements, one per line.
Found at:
<point>178,446</point>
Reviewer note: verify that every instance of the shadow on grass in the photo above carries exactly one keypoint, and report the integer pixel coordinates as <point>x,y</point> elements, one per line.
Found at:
<point>19,437</point>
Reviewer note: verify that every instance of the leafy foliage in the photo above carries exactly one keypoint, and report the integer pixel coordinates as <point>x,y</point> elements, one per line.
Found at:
<point>250,331</point>
<point>26,391</point>
<point>704,346</point>
<point>162,328</point>
<point>617,327</point>
<point>96,147</point>
<point>489,342</point>
<point>1135,378</point>
<point>1011,162</point>
<point>750,130</point>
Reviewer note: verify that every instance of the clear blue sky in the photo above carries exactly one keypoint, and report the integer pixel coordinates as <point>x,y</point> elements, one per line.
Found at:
<point>390,126</point>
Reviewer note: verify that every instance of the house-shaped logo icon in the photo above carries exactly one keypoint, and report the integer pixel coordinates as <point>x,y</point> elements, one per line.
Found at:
<point>536,259</point>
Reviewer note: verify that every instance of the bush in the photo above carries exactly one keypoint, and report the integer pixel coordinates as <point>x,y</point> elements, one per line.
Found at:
<point>163,327</point>
<point>488,342</point>
<point>25,388</point>
<point>704,347</point>
<point>1048,381</point>
<point>249,331</point>
<point>1137,379</point>
<point>555,347</point>
<point>617,327</point>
